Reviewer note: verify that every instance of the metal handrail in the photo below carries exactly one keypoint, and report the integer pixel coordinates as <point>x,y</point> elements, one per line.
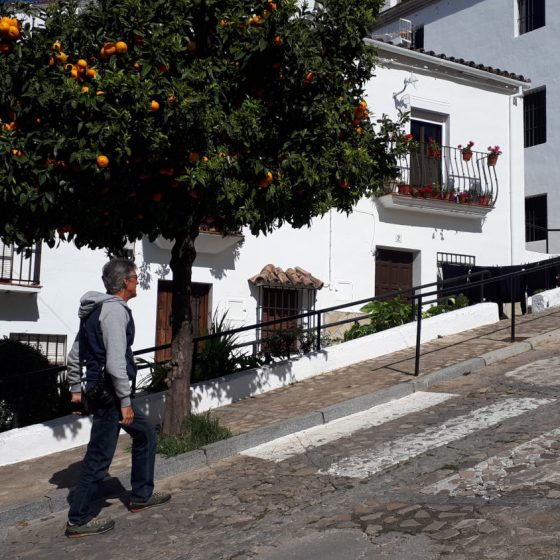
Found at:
<point>418,296</point>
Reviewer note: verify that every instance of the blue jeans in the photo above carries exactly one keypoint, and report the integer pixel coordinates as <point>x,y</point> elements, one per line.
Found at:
<point>99,454</point>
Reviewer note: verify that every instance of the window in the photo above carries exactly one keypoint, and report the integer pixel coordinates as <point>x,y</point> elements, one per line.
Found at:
<point>53,346</point>
<point>531,15</point>
<point>534,117</point>
<point>418,38</point>
<point>536,220</point>
<point>21,268</point>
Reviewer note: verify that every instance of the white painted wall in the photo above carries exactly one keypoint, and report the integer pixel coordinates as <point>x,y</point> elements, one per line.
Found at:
<point>337,249</point>
<point>486,31</point>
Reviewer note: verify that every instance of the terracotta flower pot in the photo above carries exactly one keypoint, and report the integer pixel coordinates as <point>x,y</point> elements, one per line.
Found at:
<point>467,156</point>
<point>492,160</point>
<point>404,189</point>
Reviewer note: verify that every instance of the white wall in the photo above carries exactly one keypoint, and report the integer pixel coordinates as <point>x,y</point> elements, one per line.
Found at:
<point>337,249</point>
<point>486,31</point>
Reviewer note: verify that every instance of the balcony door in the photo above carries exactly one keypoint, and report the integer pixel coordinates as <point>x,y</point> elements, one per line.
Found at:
<point>425,169</point>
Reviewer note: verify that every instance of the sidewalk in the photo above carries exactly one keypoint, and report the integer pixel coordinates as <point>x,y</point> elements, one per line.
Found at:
<point>35,488</point>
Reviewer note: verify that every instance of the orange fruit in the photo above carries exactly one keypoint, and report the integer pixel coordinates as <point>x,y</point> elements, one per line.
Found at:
<point>269,177</point>
<point>271,6</point>
<point>205,159</point>
<point>6,48</point>
<point>4,27</point>
<point>362,105</point>
<point>81,63</point>
<point>359,130</point>
<point>263,183</point>
<point>110,49</point>
<point>191,46</point>
<point>57,46</point>
<point>194,157</point>
<point>102,161</point>
<point>14,33</point>
<point>309,77</point>
<point>84,89</point>
<point>154,106</point>
<point>61,57</point>
<point>121,47</point>
<point>17,153</point>
<point>74,72</point>
<point>278,41</point>
<point>171,99</point>
<point>344,184</point>
<point>91,72</point>
<point>51,61</point>
<point>99,93</point>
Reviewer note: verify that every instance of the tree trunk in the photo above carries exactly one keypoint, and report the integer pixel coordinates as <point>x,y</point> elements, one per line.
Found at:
<point>178,396</point>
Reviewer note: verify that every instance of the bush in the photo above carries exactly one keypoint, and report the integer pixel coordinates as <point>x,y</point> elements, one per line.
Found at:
<point>29,398</point>
<point>383,315</point>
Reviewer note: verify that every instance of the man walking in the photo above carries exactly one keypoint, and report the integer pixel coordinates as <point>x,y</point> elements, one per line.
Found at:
<point>104,346</point>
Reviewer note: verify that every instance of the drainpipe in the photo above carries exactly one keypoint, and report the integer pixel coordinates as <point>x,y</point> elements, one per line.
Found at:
<point>513,98</point>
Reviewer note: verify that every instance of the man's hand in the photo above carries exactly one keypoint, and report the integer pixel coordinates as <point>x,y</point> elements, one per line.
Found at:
<point>127,415</point>
<point>76,402</point>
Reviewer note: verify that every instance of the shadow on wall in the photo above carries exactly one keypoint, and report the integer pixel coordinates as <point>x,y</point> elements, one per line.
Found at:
<point>18,307</point>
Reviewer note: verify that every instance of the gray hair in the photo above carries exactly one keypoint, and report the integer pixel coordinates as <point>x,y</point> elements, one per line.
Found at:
<point>114,273</point>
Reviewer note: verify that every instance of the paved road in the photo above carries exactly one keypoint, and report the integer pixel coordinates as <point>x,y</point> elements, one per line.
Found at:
<point>470,469</point>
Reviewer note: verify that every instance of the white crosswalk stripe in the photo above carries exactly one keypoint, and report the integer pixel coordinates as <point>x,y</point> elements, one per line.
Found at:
<point>396,451</point>
<point>523,466</point>
<point>298,443</point>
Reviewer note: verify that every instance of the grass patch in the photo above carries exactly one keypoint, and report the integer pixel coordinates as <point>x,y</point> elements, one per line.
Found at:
<point>204,430</point>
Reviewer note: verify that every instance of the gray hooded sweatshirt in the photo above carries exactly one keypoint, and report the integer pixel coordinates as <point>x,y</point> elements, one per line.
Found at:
<point>113,319</point>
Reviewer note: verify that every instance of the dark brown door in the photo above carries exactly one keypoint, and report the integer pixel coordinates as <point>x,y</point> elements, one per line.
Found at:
<point>393,271</point>
<point>199,306</point>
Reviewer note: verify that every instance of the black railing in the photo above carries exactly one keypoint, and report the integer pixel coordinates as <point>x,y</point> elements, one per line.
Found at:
<point>419,296</point>
<point>447,173</point>
<point>20,266</point>
<point>531,234</point>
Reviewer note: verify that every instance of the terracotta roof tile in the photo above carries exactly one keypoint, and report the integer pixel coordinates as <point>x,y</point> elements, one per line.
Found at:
<point>470,63</point>
<point>274,276</point>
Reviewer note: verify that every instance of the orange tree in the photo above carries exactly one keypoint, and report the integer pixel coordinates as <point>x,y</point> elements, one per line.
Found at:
<point>153,117</point>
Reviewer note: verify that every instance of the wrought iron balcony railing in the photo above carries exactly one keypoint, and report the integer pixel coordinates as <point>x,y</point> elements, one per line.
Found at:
<point>20,268</point>
<point>447,174</point>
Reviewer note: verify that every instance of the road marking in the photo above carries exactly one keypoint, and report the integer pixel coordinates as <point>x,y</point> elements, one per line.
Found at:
<point>545,372</point>
<point>298,443</point>
<point>524,466</point>
<point>396,451</point>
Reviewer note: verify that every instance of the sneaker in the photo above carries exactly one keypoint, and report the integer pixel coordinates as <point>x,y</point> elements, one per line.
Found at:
<point>156,499</point>
<point>95,526</point>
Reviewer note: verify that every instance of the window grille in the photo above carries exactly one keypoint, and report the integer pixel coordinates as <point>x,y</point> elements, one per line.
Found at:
<point>53,346</point>
<point>536,218</point>
<point>534,118</point>
<point>531,15</point>
<point>456,258</point>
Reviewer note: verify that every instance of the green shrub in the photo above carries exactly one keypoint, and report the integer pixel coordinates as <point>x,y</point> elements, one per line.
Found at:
<point>452,303</point>
<point>383,315</point>
<point>29,398</point>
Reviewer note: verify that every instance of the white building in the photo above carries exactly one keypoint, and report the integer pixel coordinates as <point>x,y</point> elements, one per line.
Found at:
<point>393,242</point>
<point>520,35</point>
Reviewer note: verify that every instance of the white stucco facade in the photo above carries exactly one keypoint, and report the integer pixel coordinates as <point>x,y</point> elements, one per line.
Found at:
<point>487,32</point>
<point>338,249</point>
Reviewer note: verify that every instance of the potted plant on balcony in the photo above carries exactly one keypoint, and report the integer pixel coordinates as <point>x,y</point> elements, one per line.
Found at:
<point>403,188</point>
<point>493,153</point>
<point>466,151</point>
<point>464,197</point>
<point>485,200</point>
<point>434,148</point>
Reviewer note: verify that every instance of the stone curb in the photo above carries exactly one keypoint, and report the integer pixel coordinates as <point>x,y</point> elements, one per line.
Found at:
<point>57,500</point>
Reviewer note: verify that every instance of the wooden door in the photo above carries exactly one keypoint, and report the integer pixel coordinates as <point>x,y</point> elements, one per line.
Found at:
<point>393,271</point>
<point>200,312</point>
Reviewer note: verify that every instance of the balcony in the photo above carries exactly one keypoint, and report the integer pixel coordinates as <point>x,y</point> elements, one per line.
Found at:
<point>445,181</point>
<point>209,241</point>
<point>20,271</point>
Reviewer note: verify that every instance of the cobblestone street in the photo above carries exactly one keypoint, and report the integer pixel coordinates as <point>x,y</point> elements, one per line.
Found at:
<point>493,492</point>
